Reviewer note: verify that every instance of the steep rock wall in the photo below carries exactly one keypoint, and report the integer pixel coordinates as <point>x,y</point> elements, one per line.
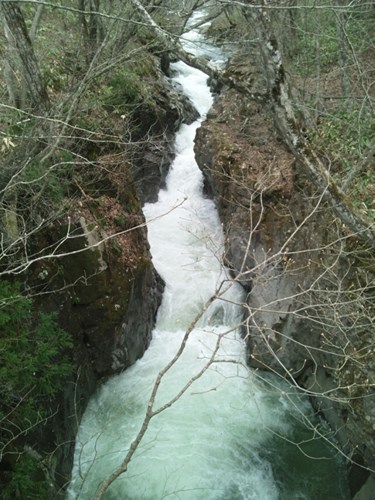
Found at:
<point>155,124</point>
<point>279,246</point>
<point>106,293</point>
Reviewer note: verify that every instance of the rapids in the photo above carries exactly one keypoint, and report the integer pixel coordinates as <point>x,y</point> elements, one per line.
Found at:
<point>231,435</point>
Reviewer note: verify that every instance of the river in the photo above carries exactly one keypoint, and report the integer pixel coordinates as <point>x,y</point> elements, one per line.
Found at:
<point>231,435</point>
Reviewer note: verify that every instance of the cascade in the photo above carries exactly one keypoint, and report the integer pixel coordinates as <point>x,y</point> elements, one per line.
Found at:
<point>230,435</point>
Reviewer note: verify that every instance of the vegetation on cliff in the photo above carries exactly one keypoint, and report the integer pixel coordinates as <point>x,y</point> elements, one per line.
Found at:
<point>35,361</point>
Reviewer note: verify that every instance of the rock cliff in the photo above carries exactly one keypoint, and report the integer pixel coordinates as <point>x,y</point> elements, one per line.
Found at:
<point>155,124</point>
<point>106,292</point>
<point>298,266</point>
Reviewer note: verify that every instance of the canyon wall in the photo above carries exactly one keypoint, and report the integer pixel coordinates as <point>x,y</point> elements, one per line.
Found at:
<point>298,267</point>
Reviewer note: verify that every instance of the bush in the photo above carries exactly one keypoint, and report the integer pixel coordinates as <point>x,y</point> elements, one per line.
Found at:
<point>121,92</point>
<point>34,361</point>
<point>28,481</point>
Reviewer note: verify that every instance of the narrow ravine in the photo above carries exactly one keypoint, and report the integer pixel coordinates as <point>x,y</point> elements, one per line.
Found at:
<point>229,436</point>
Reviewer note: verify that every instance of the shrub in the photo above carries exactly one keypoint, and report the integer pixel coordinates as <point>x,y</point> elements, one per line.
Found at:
<point>34,361</point>
<point>28,481</point>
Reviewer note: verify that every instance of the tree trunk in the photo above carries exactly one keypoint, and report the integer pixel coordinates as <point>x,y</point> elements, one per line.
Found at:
<point>11,72</point>
<point>345,83</point>
<point>36,22</point>
<point>92,27</point>
<point>290,131</point>
<point>16,25</point>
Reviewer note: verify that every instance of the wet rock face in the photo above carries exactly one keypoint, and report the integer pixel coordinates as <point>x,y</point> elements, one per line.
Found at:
<point>156,125</point>
<point>112,312</point>
<point>104,287</point>
<point>276,236</point>
<point>106,293</point>
<point>251,177</point>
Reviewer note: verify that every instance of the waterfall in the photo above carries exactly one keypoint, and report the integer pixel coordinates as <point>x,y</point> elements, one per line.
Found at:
<point>230,436</point>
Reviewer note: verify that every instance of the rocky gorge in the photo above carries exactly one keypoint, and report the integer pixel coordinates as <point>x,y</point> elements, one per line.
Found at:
<point>278,246</point>
<point>279,235</point>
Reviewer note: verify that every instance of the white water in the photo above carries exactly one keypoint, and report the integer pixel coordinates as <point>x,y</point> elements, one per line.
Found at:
<point>218,440</point>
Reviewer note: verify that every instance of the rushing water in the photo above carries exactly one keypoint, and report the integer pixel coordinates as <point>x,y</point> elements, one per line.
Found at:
<point>229,436</point>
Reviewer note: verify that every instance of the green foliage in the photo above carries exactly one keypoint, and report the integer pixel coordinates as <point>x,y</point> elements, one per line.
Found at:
<point>363,190</point>
<point>126,88</point>
<point>27,481</point>
<point>117,248</point>
<point>122,90</point>
<point>346,131</point>
<point>120,220</point>
<point>16,124</point>
<point>54,74</point>
<point>33,359</point>
<point>309,55</point>
<point>344,136</point>
<point>52,180</point>
<point>317,41</point>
